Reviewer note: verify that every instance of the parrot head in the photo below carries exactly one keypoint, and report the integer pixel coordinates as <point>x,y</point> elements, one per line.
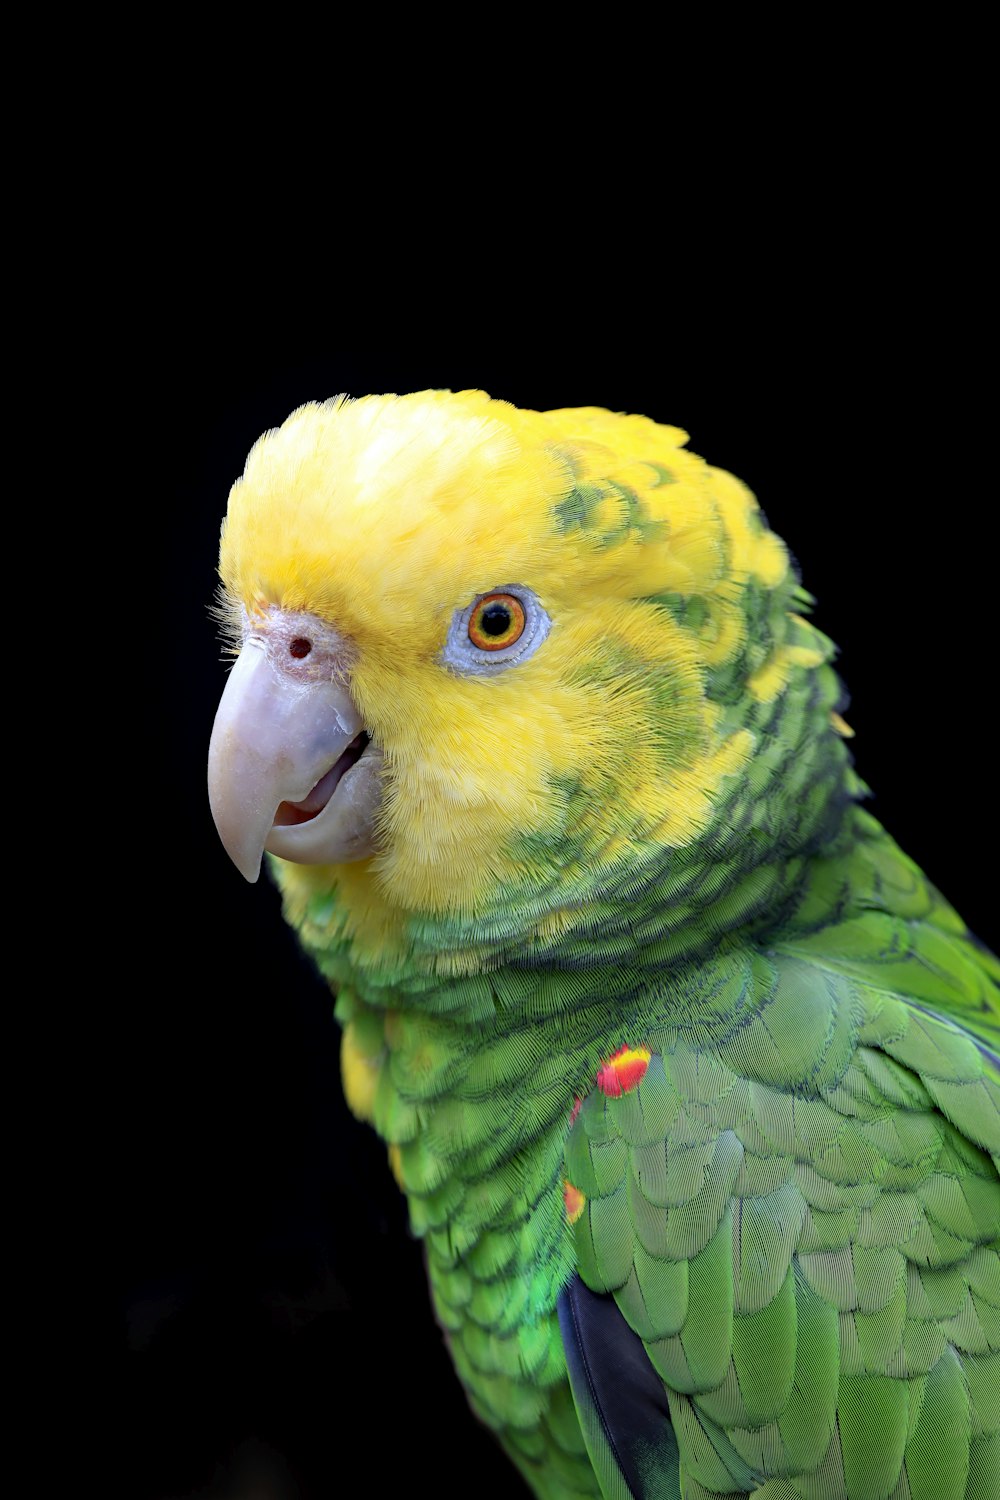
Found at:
<point>489,659</point>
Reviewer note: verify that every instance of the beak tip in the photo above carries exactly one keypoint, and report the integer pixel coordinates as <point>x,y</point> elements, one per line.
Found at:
<point>245,853</point>
<point>247,860</point>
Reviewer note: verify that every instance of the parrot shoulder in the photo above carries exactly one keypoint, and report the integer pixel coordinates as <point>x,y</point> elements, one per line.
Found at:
<point>795,1215</point>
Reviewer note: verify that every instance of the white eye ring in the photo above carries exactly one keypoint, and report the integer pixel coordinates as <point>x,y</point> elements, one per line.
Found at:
<point>463,655</point>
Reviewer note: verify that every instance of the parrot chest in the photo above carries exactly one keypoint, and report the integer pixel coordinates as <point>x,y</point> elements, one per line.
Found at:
<point>479,1155</point>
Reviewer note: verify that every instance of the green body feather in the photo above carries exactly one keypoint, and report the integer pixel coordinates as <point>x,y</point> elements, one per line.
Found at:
<point>796,1209</point>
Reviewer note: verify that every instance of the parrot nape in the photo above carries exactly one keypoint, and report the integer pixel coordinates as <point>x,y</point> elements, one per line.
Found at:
<point>689,1075</point>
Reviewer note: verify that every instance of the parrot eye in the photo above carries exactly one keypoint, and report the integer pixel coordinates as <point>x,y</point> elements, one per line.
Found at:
<point>496,621</point>
<point>300,646</point>
<point>497,629</point>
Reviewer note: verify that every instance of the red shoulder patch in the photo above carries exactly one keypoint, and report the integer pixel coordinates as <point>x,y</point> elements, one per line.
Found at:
<point>623,1071</point>
<point>574,1200</point>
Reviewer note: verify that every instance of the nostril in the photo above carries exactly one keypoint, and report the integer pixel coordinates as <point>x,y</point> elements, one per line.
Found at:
<point>300,646</point>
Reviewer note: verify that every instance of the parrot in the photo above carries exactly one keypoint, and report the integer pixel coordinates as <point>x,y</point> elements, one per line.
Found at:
<point>688,1074</point>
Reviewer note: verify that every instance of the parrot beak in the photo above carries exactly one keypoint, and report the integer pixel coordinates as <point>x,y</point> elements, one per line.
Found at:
<point>290,768</point>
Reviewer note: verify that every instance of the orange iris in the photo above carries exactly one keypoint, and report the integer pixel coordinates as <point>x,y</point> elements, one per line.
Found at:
<point>496,621</point>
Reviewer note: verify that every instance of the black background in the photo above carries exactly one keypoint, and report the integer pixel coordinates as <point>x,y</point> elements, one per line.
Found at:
<point>271,1322</point>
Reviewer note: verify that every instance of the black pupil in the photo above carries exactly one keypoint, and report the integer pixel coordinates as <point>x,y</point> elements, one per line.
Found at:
<point>300,646</point>
<point>495,619</point>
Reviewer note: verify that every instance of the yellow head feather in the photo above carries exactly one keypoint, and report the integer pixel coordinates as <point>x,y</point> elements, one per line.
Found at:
<point>384,516</point>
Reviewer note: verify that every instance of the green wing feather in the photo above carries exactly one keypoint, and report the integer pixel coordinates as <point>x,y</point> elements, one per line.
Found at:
<point>800,1215</point>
